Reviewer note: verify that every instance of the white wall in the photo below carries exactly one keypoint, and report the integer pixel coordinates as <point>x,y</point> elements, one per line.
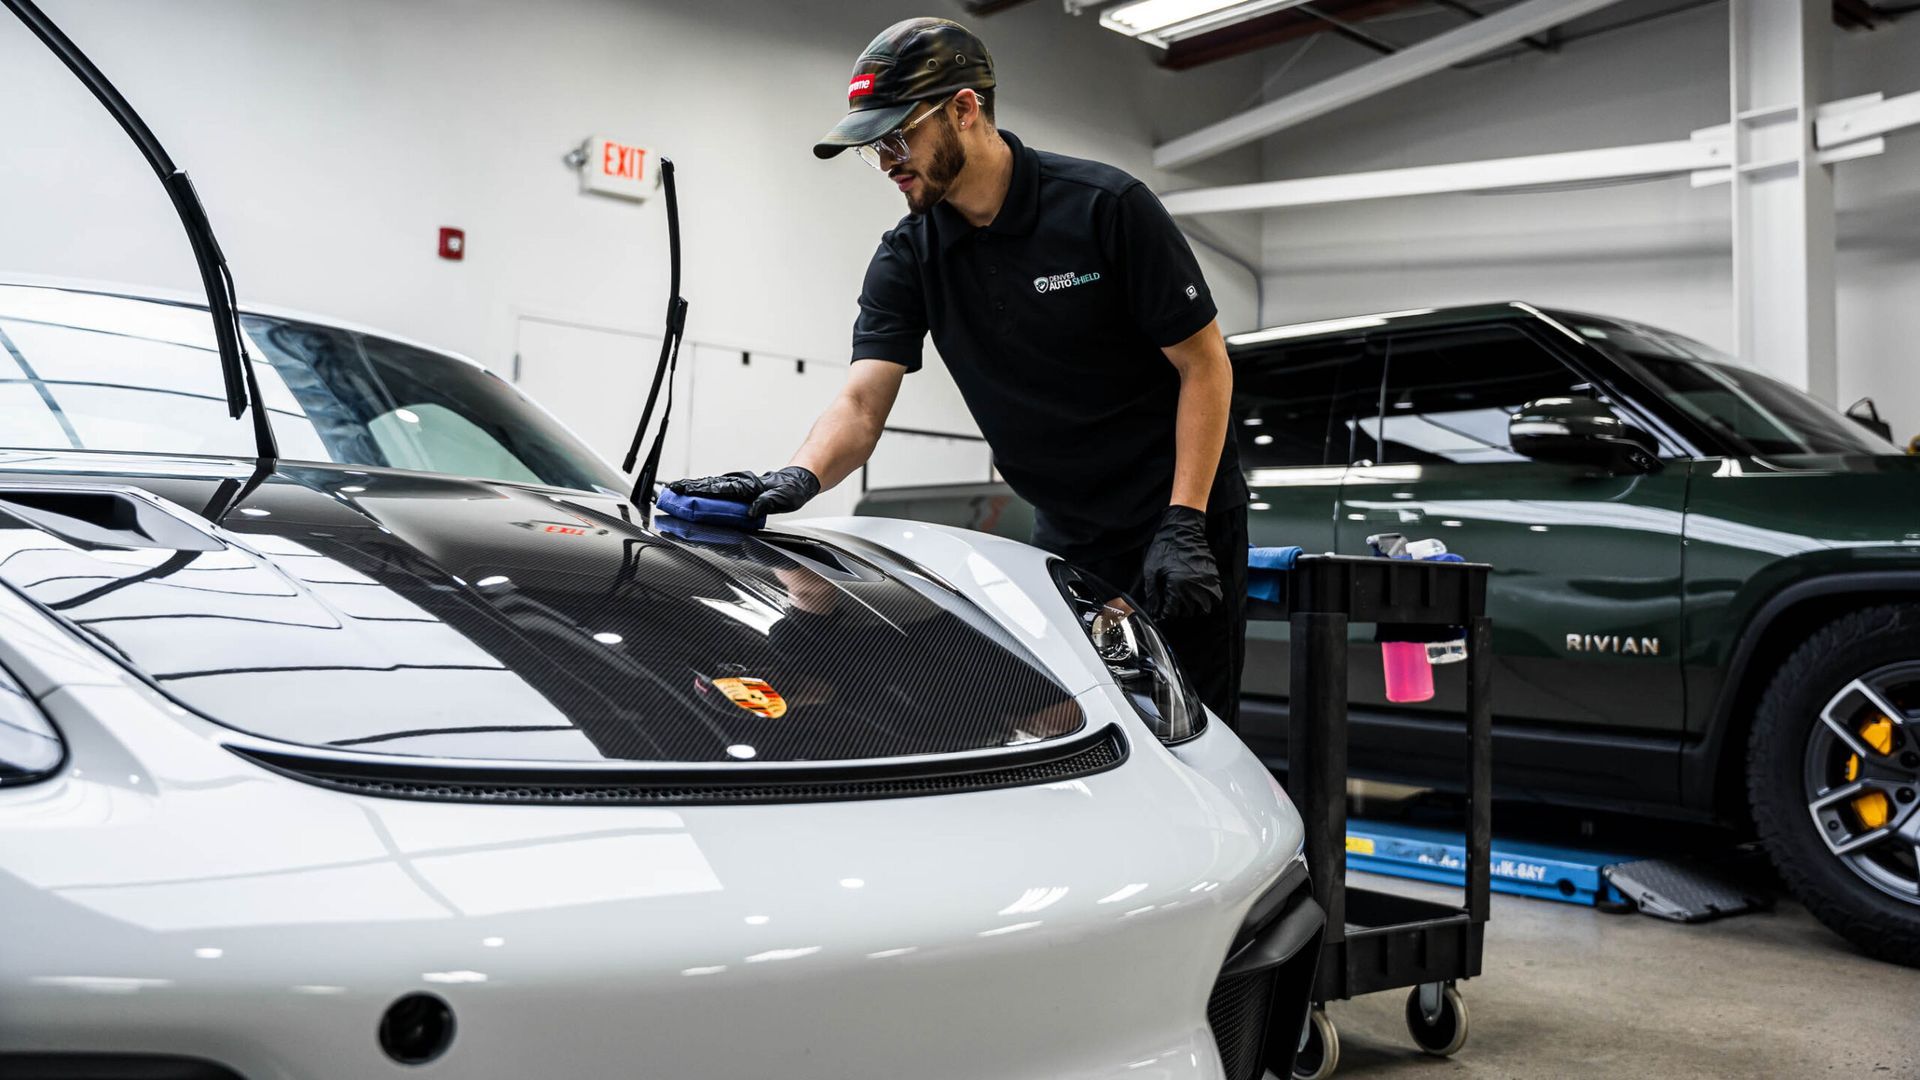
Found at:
<point>1658,252</point>
<point>330,141</point>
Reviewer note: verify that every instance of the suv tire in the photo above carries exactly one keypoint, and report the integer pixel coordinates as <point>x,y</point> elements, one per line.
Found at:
<point>1794,756</point>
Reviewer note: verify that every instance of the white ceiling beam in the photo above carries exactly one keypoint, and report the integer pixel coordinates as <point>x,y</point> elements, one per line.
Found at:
<point>1844,129</point>
<point>1868,120</point>
<point>1501,28</point>
<point>1612,163</point>
<point>1841,144</point>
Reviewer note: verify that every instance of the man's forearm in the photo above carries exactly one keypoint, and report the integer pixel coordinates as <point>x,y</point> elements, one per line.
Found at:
<point>1205,408</point>
<point>849,428</point>
<point>841,441</point>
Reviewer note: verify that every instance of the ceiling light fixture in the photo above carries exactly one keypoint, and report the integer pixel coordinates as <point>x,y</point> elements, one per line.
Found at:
<point>1162,22</point>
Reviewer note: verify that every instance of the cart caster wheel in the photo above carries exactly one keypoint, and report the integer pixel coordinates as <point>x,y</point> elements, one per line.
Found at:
<point>1448,1032</point>
<point>1319,1050</point>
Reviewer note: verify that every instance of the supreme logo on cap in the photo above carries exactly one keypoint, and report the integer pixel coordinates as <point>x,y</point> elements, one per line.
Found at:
<point>861,86</point>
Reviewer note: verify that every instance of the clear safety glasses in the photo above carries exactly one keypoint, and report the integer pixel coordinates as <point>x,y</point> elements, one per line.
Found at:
<point>894,143</point>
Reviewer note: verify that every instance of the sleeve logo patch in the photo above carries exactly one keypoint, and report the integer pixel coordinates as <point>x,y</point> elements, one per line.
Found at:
<point>753,695</point>
<point>861,86</point>
<point>1193,293</point>
<point>1047,283</point>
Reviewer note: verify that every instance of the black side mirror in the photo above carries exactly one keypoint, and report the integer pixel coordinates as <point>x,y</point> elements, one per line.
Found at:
<point>1865,413</point>
<point>1581,431</point>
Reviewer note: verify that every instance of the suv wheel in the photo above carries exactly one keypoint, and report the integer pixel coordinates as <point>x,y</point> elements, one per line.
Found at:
<point>1833,776</point>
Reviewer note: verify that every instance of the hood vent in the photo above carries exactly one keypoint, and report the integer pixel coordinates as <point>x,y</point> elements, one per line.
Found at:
<point>92,518</point>
<point>818,557</point>
<point>1044,763</point>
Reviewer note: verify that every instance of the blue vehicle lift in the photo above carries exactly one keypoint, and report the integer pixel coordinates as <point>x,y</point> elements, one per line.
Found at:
<point>1542,871</point>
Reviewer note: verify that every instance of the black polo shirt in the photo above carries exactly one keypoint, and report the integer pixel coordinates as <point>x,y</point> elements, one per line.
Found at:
<point>1051,320</point>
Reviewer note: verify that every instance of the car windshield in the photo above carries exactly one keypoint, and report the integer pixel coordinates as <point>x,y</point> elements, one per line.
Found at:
<point>1757,414</point>
<point>85,371</point>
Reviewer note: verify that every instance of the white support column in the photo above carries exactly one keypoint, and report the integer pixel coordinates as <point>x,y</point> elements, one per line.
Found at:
<point>1783,215</point>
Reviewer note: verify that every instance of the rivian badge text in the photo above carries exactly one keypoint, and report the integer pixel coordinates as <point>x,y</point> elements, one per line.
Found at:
<point>1614,643</point>
<point>753,695</point>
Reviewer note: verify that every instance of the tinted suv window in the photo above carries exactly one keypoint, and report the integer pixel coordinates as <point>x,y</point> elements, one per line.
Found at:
<point>1757,414</point>
<point>1282,403</point>
<point>1448,395</point>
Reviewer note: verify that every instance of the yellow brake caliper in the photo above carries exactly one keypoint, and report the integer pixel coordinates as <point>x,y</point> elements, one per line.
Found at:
<point>1872,807</point>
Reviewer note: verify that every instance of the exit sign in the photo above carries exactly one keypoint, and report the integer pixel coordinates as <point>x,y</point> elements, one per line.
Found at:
<point>619,168</point>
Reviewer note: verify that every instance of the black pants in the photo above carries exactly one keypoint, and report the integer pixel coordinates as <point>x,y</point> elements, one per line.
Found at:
<point>1211,648</point>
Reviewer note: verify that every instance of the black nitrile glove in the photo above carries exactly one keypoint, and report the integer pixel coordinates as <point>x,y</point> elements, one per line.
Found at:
<point>783,491</point>
<point>779,492</point>
<point>1179,578</point>
<point>737,487</point>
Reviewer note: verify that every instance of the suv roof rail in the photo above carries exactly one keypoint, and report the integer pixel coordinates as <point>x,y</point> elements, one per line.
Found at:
<point>1317,327</point>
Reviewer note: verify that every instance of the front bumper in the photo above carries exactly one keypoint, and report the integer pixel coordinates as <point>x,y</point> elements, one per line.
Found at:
<point>175,899</point>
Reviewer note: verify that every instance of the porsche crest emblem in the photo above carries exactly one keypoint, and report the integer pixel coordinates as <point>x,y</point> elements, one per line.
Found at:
<point>753,695</point>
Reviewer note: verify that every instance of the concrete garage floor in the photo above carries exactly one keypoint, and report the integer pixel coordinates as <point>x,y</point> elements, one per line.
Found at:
<point>1573,992</point>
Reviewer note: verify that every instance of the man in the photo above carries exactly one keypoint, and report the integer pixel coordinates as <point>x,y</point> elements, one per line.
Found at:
<point>1078,327</point>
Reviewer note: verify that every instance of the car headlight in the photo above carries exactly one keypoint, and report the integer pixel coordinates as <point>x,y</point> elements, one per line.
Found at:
<point>30,747</point>
<point>1133,650</point>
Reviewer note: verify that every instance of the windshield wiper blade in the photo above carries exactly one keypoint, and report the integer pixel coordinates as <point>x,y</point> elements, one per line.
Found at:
<point>669,361</point>
<point>236,367</point>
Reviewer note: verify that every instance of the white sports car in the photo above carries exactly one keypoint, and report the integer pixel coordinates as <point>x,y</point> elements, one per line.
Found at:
<point>385,736</point>
<point>422,749</point>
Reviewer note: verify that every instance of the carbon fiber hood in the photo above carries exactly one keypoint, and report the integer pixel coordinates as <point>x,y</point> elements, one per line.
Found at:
<point>400,613</point>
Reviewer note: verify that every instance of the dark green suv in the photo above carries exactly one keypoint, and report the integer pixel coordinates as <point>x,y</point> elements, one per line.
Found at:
<point>1706,596</point>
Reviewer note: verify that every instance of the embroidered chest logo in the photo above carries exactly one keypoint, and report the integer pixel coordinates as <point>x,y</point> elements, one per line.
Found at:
<point>1056,282</point>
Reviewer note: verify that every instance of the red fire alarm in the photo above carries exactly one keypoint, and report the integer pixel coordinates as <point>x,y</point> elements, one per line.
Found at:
<point>453,243</point>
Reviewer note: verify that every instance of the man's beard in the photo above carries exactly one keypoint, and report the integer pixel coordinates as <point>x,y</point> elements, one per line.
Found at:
<point>944,161</point>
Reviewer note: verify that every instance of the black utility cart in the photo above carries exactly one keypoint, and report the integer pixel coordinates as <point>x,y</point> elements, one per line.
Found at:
<point>1378,941</point>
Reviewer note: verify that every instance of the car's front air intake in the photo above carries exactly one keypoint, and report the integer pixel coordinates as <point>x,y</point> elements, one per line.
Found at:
<point>1272,960</point>
<point>1045,763</point>
<point>1237,1013</point>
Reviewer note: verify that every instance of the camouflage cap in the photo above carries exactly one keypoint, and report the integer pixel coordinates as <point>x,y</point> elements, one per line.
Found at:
<point>910,61</point>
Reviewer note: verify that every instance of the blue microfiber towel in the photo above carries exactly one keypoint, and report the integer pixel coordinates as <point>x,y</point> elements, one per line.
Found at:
<point>1263,566</point>
<point>1272,558</point>
<point>708,511</point>
<point>698,533</point>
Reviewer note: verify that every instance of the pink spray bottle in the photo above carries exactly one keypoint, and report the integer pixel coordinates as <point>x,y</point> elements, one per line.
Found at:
<point>1404,663</point>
